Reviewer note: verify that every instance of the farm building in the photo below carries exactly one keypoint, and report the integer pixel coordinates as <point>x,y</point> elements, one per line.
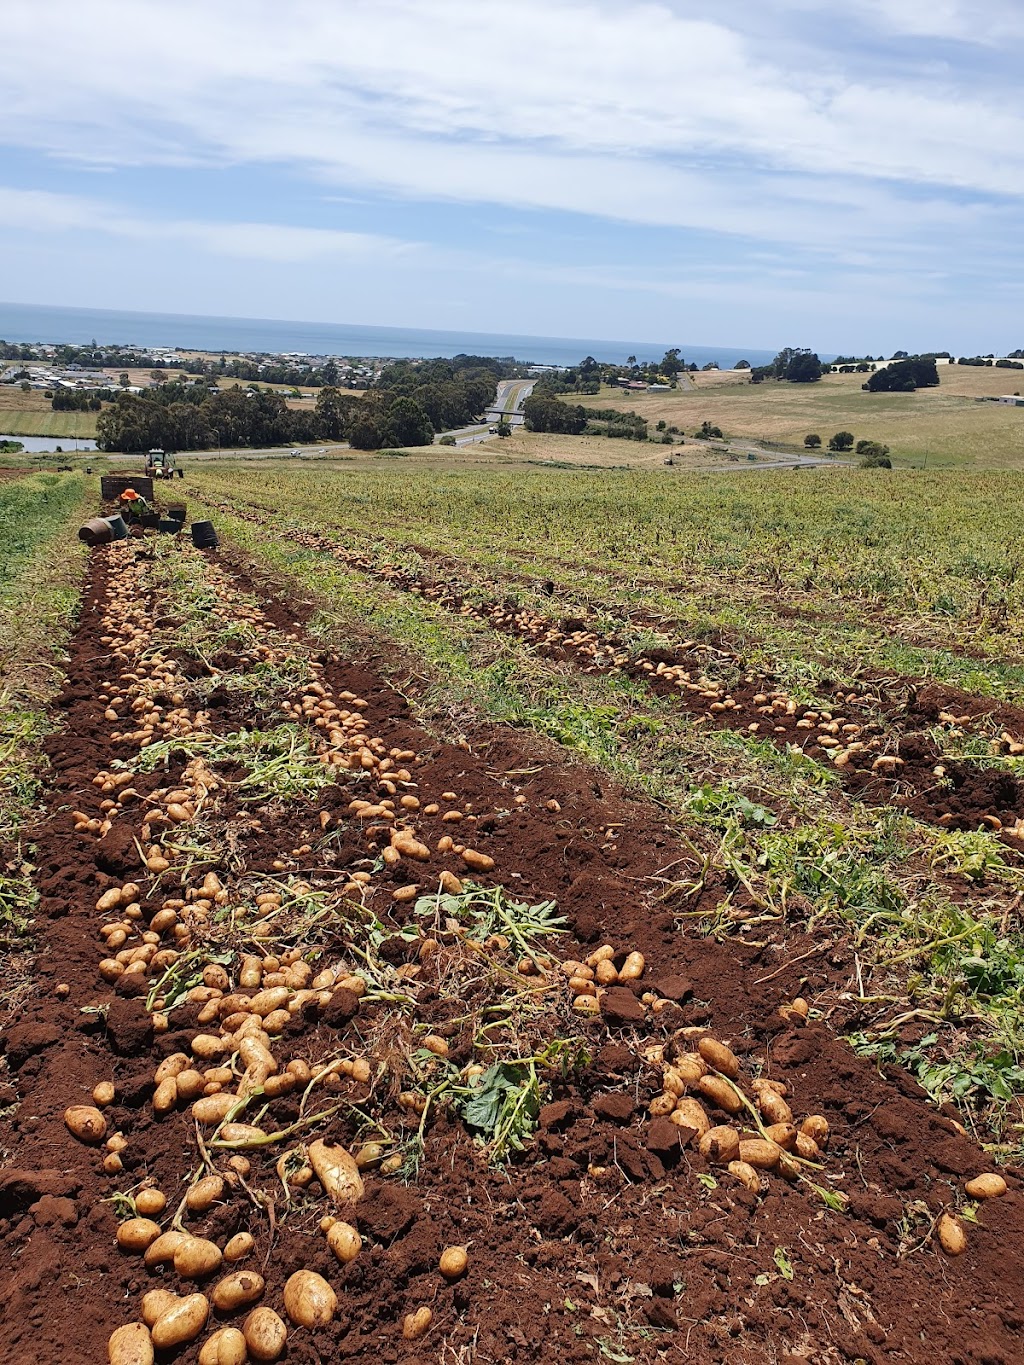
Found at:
<point>1013,400</point>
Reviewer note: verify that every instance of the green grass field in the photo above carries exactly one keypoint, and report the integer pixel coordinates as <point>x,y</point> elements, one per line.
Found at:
<point>31,414</point>
<point>943,426</point>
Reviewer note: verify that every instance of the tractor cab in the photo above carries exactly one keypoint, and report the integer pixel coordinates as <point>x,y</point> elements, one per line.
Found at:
<point>160,465</point>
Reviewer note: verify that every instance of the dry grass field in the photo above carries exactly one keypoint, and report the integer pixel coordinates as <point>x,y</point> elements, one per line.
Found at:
<point>30,414</point>
<point>943,426</point>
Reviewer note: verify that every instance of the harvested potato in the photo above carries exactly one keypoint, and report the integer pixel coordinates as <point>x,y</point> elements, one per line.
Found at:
<point>761,1154</point>
<point>337,1172</point>
<point>309,1300</point>
<point>990,1186</point>
<point>265,1334</point>
<point>103,1094</point>
<point>136,1234</point>
<point>150,1202</point>
<point>690,1067</point>
<point>162,1250</point>
<point>237,1290</point>
<point>774,1107</point>
<point>816,1128</point>
<point>746,1175</point>
<point>453,1262</point>
<point>782,1134</point>
<point>719,1056</point>
<point>225,1347</point>
<point>633,967</point>
<point>205,1193</point>
<point>952,1237</point>
<point>239,1246</point>
<point>197,1257</point>
<point>416,1325</point>
<point>85,1123</point>
<point>213,1109</point>
<point>721,1093</point>
<point>344,1241</point>
<point>720,1145</point>
<point>156,1303</point>
<point>181,1323</point>
<point>690,1113</point>
<point>131,1345</point>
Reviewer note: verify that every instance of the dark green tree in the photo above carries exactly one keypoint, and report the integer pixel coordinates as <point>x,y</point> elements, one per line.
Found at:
<point>842,440</point>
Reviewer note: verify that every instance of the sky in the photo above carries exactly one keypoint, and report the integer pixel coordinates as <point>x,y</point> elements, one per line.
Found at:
<point>766,173</point>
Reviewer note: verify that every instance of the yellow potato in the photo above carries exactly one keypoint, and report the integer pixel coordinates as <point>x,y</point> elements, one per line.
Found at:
<point>162,1250</point>
<point>344,1241</point>
<point>633,967</point>
<point>265,1334</point>
<point>721,1093</point>
<point>720,1145</point>
<point>213,1109</point>
<point>990,1186</point>
<point>309,1300</point>
<point>952,1237</point>
<point>150,1203</point>
<point>237,1290</point>
<point>156,1303</point>
<point>453,1262</point>
<point>761,1154</point>
<point>196,1257</point>
<point>239,1246</point>
<point>774,1107</point>
<point>782,1134</point>
<point>225,1347</point>
<point>746,1175</point>
<point>85,1123</point>
<point>690,1113</point>
<point>806,1148</point>
<point>103,1094</point>
<point>136,1234</point>
<point>816,1128</point>
<point>415,1325</point>
<point>181,1323</point>
<point>131,1345</point>
<point>720,1057</point>
<point>205,1193</point>
<point>337,1172</point>
<point>690,1067</point>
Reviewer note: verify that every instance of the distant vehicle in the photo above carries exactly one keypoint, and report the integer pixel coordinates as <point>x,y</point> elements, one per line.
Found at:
<point>160,465</point>
<point>493,431</point>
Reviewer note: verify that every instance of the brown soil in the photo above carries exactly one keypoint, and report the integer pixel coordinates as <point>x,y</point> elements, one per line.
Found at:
<point>606,1239</point>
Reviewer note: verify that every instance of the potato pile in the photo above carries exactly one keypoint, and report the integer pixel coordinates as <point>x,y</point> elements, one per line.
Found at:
<point>588,981</point>
<point>749,1134</point>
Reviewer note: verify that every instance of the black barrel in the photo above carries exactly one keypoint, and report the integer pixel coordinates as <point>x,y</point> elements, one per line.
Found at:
<point>176,511</point>
<point>96,532</point>
<point>151,520</point>
<point>204,537</point>
<point>170,527</point>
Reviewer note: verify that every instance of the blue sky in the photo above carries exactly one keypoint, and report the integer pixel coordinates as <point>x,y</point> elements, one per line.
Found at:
<point>791,172</point>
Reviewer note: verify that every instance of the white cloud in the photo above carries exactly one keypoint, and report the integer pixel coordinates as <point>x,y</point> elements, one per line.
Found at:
<point>38,210</point>
<point>454,97</point>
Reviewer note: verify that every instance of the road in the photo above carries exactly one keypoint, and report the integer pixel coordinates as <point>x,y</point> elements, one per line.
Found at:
<point>512,394</point>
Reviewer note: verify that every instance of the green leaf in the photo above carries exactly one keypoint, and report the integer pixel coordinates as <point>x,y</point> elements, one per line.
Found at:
<point>783,1262</point>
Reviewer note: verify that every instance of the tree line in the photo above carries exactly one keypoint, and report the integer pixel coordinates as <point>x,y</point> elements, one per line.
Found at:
<point>408,402</point>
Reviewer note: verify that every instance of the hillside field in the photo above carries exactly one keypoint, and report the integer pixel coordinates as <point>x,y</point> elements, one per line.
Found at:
<point>943,426</point>
<point>525,911</point>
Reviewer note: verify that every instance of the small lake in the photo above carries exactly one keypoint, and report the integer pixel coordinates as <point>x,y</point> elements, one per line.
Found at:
<point>36,444</point>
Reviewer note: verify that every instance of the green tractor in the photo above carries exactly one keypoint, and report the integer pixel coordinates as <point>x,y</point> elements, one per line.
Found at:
<point>160,465</point>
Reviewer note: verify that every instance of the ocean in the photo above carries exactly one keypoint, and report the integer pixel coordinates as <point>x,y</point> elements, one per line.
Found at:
<point>79,326</point>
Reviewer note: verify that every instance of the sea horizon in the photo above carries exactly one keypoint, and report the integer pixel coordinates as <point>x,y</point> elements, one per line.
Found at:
<point>47,324</point>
